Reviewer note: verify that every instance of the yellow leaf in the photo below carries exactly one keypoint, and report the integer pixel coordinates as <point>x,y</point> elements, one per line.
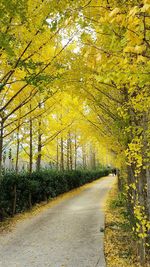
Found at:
<point>145,8</point>
<point>114,12</point>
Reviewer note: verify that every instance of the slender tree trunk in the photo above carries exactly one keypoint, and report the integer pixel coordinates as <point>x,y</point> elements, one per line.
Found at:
<point>62,155</point>
<point>39,157</point>
<point>130,168</point>
<point>84,157</point>
<point>30,156</point>
<point>75,153</point>
<point>120,182</point>
<point>1,145</point>
<point>131,192</point>
<point>57,156</point>
<point>68,159</point>
<point>16,169</point>
<point>31,159</point>
<point>61,141</point>
<point>31,145</point>
<point>18,143</point>
<point>4,159</point>
<point>70,149</point>
<point>18,147</point>
<point>146,152</point>
<point>148,190</point>
<point>16,166</point>
<point>143,183</point>
<point>142,241</point>
<point>92,158</point>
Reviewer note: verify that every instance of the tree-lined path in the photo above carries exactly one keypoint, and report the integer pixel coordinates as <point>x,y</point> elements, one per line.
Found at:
<point>65,235</point>
<point>74,104</point>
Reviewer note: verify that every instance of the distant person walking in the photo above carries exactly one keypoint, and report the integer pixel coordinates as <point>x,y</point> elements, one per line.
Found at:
<point>114,172</point>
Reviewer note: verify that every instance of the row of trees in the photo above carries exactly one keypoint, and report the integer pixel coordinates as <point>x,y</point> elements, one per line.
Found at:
<point>49,136</point>
<point>119,91</point>
<point>75,78</point>
<point>33,111</point>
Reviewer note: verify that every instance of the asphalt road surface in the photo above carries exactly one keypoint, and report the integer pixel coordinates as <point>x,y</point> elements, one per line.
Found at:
<point>64,235</point>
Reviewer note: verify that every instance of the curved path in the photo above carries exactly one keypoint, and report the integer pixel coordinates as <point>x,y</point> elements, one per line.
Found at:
<point>64,235</point>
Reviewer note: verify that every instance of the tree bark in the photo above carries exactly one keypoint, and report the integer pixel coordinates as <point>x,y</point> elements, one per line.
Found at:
<point>31,144</point>
<point>62,155</point>
<point>70,150</point>
<point>146,152</point>
<point>75,153</point>
<point>17,153</point>
<point>84,157</point>
<point>16,169</point>
<point>148,190</point>
<point>92,158</point>
<point>57,156</point>
<point>1,145</point>
<point>39,157</point>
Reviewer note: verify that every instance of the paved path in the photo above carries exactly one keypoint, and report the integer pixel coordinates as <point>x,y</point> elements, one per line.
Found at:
<point>65,235</point>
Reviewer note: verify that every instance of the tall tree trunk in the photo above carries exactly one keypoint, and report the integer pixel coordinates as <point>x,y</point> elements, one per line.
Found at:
<point>144,182</point>
<point>84,157</point>
<point>131,192</point>
<point>70,150</point>
<point>148,189</point>
<point>4,159</point>
<point>61,140</point>
<point>120,182</point>
<point>30,156</point>
<point>146,152</point>
<point>39,157</point>
<point>16,169</point>
<point>92,157</point>
<point>62,155</point>
<point>31,144</point>
<point>17,153</point>
<point>1,145</point>
<point>75,152</point>
<point>57,156</point>
<point>94,160</point>
<point>142,241</point>
<point>18,143</point>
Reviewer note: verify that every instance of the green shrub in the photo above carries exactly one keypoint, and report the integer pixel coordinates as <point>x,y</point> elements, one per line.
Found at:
<point>24,190</point>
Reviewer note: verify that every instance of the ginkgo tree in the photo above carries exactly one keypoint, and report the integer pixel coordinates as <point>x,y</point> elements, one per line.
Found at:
<point>120,76</point>
<point>75,87</point>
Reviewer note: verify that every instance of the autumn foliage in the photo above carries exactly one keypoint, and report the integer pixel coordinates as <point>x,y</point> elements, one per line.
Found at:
<point>75,91</point>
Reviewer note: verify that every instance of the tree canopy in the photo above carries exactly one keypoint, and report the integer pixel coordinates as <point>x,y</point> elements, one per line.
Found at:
<point>75,89</point>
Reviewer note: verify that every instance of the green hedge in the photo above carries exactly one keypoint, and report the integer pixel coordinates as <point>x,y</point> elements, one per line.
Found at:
<point>19,192</point>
